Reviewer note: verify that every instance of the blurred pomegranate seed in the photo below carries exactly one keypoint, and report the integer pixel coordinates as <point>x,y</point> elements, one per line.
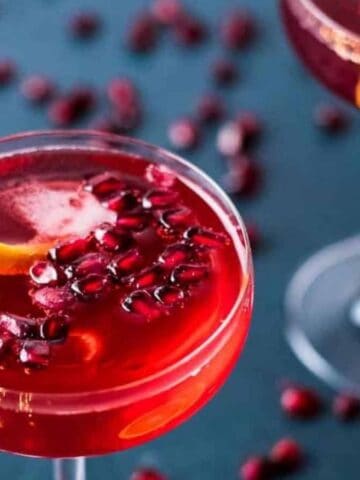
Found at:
<point>189,274</point>
<point>300,402</point>
<point>243,177</point>
<point>210,109</point>
<point>175,217</point>
<point>112,239</point>
<point>126,263</point>
<point>92,263</point>
<point>204,237</point>
<point>35,353</point>
<point>346,407</point>
<point>175,255</point>
<point>61,112</point>
<point>141,303</point>
<point>169,295</point>
<point>105,124</point>
<point>67,252</point>
<point>142,34</point>
<point>7,71</point>
<point>83,99</point>
<point>37,88</point>
<point>224,72</point>
<point>249,124</point>
<point>43,273</point>
<point>159,198</point>
<point>128,118</point>
<point>184,134</point>
<point>160,175</point>
<point>122,92</point>
<point>166,12</point>
<point>53,300</point>
<point>189,30</point>
<point>237,29</point>
<point>148,277</point>
<point>123,202</point>
<point>286,455</point>
<point>54,329</point>
<point>254,235</point>
<point>147,474</point>
<point>135,222</point>
<point>84,24</point>
<point>255,468</point>
<point>230,139</point>
<point>104,184</point>
<point>90,287</point>
<point>17,326</point>
<point>330,118</point>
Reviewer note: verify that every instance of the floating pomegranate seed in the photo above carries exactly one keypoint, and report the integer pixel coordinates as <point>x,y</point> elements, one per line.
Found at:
<point>147,474</point>
<point>17,326</point>
<point>53,299</point>
<point>189,30</point>
<point>166,12</point>
<point>7,72</point>
<point>230,139</point>
<point>37,88</point>
<point>54,329</point>
<point>169,295</point>
<point>243,177</point>
<point>85,24</point>
<point>122,92</point>
<point>135,222</point>
<point>188,274</point>
<point>254,235</point>
<point>159,198</point>
<point>176,217</point>
<point>175,255</point>
<point>92,263</point>
<point>210,109</point>
<point>90,287</point>
<point>286,455</point>
<point>111,238</point>
<point>35,353</point>
<point>249,124</point>
<point>43,273</point>
<point>123,202</point>
<point>184,134</point>
<point>128,118</point>
<point>147,278</point>
<point>105,124</point>
<point>224,72</point>
<point>204,237</point>
<point>300,402</point>
<point>346,407</point>
<point>126,263</point>
<point>141,303</point>
<point>330,118</point>
<point>83,99</point>
<point>160,175</point>
<point>70,251</point>
<point>103,185</point>
<point>143,33</point>
<point>61,112</point>
<point>237,29</point>
<point>255,468</point>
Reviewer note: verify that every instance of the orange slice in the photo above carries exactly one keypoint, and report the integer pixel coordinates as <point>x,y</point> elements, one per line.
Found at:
<point>17,259</point>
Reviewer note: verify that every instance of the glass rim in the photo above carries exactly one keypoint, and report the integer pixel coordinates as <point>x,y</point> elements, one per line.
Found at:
<point>238,235</point>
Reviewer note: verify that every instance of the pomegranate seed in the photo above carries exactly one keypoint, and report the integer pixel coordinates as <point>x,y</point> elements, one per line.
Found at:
<point>147,277</point>
<point>90,287</point>
<point>104,184</point>
<point>286,455</point>
<point>300,402</point>
<point>52,299</point>
<point>143,33</point>
<point>175,217</point>
<point>54,329</point>
<point>82,99</point>
<point>105,124</point>
<point>254,235</point>
<point>17,326</point>
<point>255,468</point>
<point>140,302</point>
<point>92,263</point>
<point>329,118</point>
<point>169,295</point>
<point>249,124</point>
<point>126,263</point>
<point>210,109</point>
<point>174,255</point>
<point>135,222</point>
<point>230,139</point>
<point>70,251</point>
<point>346,407</point>
<point>159,198</point>
<point>37,88</point>
<point>124,201</point>
<point>188,274</point>
<point>6,340</point>
<point>122,92</point>
<point>35,353</point>
<point>147,474</point>
<point>112,239</point>
<point>243,178</point>
<point>7,72</point>
<point>84,24</point>
<point>62,112</point>
<point>204,237</point>
<point>237,29</point>
<point>166,12</point>
<point>160,175</point>
<point>128,118</point>
<point>43,273</point>
<point>224,72</point>
<point>184,134</point>
<point>188,30</point>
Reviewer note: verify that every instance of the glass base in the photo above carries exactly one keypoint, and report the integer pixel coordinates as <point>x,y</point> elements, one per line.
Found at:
<point>323,312</point>
<point>69,469</point>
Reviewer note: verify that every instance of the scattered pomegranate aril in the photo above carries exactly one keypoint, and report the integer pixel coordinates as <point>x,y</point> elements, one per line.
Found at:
<point>7,72</point>
<point>175,255</point>
<point>43,273</point>
<point>254,235</point>
<point>54,329</point>
<point>68,252</point>
<point>37,88</point>
<point>147,474</point>
<point>189,274</point>
<point>224,72</point>
<point>92,263</point>
<point>147,278</point>
<point>184,134</point>
<point>124,264</point>
<point>35,353</point>
<point>166,12</point>
<point>159,198</point>
<point>169,295</point>
<point>135,222</point>
<point>122,92</point>
<point>204,237</point>
<point>90,287</point>
<point>330,118</point>
<point>255,468</point>
<point>142,34</point>
<point>53,300</point>
<point>123,202</point>
<point>103,185</point>
<point>17,326</point>
<point>61,112</point>
<point>346,407</point>
<point>83,99</point>
<point>112,239</point>
<point>249,124</point>
<point>128,118</point>
<point>243,177</point>
<point>105,124</point>
<point>286,456</point>
<point>237,30</point>
<point>188,30</point>
<point>84,24</point>
<point>230,139</point>
<point>160,175</point>
<point>210,109</point>
<point>175,217</point>
<point>299,402</point>
<point>140,302</point>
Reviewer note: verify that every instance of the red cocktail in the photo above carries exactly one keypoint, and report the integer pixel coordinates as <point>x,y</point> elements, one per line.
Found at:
<point>126,292</point>
<point>326,35</point>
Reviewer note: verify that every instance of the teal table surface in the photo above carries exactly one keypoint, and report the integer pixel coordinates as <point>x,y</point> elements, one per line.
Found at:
<point>310,198</point>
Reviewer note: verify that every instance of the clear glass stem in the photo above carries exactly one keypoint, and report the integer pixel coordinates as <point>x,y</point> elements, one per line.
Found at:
<point>69,469</point>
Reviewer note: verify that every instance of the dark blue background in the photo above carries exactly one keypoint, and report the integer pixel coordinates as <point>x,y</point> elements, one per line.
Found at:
<point>311,198</point>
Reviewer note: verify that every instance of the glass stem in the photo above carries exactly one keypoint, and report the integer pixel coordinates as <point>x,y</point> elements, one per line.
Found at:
<point>69,469</point>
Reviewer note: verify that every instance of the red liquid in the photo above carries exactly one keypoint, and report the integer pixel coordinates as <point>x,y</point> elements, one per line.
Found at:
<point>326,36</point>
<point>118,379</point>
